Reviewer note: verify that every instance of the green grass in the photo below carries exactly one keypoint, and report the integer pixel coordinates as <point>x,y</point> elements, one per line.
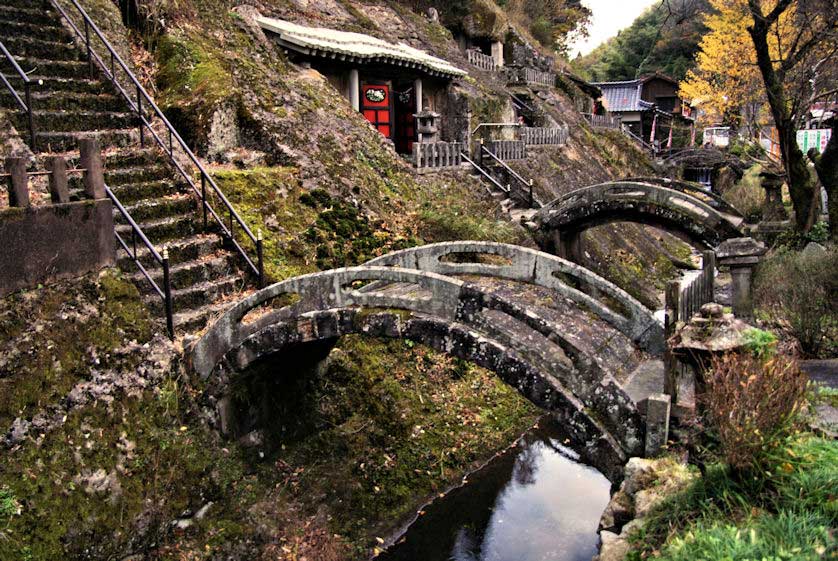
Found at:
<point>787,515</point>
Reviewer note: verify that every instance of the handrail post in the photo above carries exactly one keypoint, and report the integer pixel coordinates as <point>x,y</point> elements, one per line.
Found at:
<point>531,197</point>
<point>27,88</point>
<point>140,116</point>
<point>89,48</point>
<point>259,253</point>
<point>18,182</point>
<point>90,157</point>
<point>167,294</point>
<point>204,198</point>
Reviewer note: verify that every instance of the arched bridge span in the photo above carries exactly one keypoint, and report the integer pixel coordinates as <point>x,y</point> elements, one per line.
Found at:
<point>560,223</point>
<point>445,313</point>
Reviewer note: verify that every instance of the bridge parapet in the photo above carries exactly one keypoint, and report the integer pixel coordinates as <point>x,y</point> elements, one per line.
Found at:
<point>562,221</point>
<point>541,269</point>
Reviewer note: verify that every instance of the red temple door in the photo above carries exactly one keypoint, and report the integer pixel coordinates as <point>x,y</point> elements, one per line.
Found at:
<point>376,106</point>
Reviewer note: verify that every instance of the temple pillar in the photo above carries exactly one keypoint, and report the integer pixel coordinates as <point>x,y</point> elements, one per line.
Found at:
<point>354,89</point>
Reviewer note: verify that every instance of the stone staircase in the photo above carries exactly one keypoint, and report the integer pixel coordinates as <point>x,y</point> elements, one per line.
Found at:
<point>68,105</point>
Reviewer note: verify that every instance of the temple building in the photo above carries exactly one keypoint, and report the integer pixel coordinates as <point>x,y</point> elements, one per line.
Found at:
<point>390,84</point>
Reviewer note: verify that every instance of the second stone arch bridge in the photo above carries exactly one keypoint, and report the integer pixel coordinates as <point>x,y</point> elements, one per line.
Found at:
<point>441,295</point>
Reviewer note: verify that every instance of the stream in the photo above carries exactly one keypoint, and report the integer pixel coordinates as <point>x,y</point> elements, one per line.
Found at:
<point>536,502</point>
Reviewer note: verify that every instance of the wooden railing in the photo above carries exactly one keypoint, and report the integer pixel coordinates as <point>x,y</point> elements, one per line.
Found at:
<point>534,76</point>
<point>481,60</point>
<point>508,149</point>
<point>538,136</point>
<point>686,296</point>
<point>603,121</point>
<point>437,155</point>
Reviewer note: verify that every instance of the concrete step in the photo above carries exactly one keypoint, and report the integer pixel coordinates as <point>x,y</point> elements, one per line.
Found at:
<point>54,49</point>
<point>138,174</point>
<point>190,248</point>
<point>128,193</point>
<point>198,295</point>
<point>67,101</point>
<point>26,24</point>
<point>153,209</point>
<point>161,230</point>
<point>69,121</point>
<point>61,142</point>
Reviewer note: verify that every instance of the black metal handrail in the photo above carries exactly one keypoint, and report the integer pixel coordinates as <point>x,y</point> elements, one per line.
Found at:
<point>174,139</point>
<point>165,292</point>
<point>26,105</point>
<point>515,175</point>
<point>486,174</point>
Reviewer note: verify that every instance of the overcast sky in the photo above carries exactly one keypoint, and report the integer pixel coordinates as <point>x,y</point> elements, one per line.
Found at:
<point>609,16</point>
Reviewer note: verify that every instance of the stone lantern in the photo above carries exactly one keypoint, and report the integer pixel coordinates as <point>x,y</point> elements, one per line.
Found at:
<point>772,183</point>
<point>741,255</point>
<point>427,125</point>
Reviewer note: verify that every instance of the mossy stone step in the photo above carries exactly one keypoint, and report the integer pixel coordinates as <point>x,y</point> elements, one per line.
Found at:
<point>186,249</point>
<point>190,273</point>
<point>138,174</point>
<point>67,101</point>
<point>192,321</point>
<point>46,67</point>
<point>20,47</point>
<point>162,230</point>
<point>132,157</point>
<point>129,193</point>
<point>69,121</point>
<point>198,295</point>
<point>21,24</point>
<point>152,209</point>
<point>50,84</point>
<point>68,141</point>
<point>28,11</point>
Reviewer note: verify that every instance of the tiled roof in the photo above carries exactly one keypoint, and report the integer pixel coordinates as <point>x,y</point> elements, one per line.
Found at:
<point>320,41</point>
<point>623,96</point>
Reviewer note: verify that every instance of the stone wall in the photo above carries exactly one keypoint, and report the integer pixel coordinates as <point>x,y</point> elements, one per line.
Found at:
<point>42,244</point>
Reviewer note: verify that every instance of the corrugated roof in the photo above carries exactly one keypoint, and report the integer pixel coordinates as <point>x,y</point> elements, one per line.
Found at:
<point>320,41</point>
<point>623,96</point>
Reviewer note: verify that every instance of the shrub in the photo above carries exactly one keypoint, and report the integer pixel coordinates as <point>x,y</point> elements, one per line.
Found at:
<point>747,195</point>
<point>762,344</point>
<point>802,290</point>
<point>752,404</point>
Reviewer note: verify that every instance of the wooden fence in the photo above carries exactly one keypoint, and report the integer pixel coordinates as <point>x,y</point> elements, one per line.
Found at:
<point>431,156</point>
<point>603,121</point>
<point>480,60</point>
<point>508,149</point>
<point>686,296</point>
<point>533,76</point>
<point>535,136</point>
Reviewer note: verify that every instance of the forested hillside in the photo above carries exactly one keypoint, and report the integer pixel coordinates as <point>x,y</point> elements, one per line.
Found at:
<point>664,38</point>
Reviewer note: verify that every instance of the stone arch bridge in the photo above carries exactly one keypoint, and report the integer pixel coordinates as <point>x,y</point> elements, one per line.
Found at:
<point>699,217</point>
<point>429,294</point>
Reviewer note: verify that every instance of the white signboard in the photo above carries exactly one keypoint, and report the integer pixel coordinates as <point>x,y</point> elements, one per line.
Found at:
<point>813,138</point>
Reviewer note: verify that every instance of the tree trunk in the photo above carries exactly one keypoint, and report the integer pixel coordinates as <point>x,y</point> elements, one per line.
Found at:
<point>800,181</point>
<point>826,166</point>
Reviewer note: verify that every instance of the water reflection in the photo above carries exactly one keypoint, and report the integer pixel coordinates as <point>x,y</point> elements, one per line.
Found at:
<point>537,503</point>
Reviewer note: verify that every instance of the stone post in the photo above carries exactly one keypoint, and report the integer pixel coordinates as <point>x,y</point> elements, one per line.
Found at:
<point>497,53</point>
<point>657,423</point>
<point>58,191</point>
<point>773,210</point>
<point>18,182</point>
<point>741,255</point>
<point>91,161</point>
